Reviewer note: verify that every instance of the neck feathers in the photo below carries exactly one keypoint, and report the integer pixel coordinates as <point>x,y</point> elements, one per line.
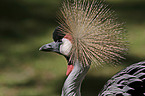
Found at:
<point>73,82</point>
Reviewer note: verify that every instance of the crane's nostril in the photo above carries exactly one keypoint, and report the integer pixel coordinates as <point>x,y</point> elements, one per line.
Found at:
<point>49,46</point>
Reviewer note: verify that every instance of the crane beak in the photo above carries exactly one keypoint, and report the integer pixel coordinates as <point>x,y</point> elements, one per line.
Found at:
<point>46,47</point>
<point>51,47</point>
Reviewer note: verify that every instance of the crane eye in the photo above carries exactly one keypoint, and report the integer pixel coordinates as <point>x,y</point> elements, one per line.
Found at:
<point>59,40</point>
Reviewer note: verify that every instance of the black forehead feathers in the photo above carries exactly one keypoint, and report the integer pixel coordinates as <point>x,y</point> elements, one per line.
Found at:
<point>57,34</point>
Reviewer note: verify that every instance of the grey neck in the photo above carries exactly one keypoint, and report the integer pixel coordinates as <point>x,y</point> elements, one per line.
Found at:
<point>73,82</point>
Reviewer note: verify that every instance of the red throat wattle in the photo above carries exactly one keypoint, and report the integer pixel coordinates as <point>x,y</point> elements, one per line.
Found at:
<point>69,69</point>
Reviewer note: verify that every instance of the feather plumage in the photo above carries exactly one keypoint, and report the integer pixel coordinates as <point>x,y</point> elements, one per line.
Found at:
<point>128,82</point>
<point>96,34</point>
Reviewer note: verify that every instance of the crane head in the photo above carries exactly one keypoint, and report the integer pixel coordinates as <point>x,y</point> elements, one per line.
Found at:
<point>62,45</point>
<point>89,33</point>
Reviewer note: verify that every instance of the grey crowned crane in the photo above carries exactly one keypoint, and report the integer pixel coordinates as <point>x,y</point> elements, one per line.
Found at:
<point>89,32</point>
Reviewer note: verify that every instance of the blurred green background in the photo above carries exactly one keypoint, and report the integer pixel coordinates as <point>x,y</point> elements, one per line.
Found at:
<point>25,25</point>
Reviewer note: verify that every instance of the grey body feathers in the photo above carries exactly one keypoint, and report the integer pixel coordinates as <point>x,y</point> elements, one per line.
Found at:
<point>128,82</point>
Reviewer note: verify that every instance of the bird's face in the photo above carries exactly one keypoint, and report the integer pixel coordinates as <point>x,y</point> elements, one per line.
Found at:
<point>62,45</point>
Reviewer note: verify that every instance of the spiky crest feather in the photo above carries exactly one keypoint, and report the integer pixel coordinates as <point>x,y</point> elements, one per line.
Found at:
<point>96,34</point>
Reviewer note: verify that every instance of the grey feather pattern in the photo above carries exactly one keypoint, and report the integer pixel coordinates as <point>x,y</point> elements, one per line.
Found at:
<point>128,82</point>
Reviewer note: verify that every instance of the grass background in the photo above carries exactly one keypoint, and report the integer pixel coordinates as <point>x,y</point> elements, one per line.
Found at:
<point>25,25</point>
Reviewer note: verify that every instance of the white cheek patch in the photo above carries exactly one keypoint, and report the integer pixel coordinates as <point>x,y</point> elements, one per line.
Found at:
<point>65,47</point>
